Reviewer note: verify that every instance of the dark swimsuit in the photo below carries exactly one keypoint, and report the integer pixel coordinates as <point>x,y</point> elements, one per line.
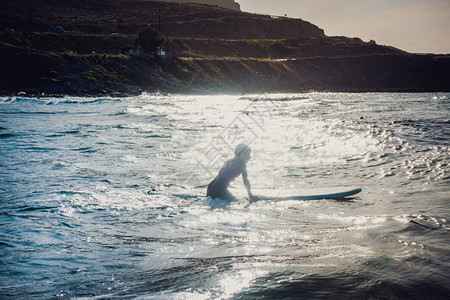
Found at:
<point>218,188</point>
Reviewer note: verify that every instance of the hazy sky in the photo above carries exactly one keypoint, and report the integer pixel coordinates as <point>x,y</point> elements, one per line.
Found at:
<point>421,26</point>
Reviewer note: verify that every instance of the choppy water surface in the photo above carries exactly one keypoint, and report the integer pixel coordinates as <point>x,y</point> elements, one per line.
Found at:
<point>77,222</point>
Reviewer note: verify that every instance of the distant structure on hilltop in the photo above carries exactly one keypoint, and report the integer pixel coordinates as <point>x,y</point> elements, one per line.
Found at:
<point>230,4</point>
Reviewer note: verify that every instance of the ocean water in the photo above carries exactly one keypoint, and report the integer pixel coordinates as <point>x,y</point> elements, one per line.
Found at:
<point>76,221</point>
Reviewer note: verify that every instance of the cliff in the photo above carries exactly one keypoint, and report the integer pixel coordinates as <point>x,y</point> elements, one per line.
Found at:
<point>212,50</point>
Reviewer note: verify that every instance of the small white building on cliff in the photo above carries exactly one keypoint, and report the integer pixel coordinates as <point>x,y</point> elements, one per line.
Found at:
<point>230,4</point>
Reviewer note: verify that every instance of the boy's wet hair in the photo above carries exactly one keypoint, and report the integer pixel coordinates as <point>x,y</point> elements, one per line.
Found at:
<point>241,148</point>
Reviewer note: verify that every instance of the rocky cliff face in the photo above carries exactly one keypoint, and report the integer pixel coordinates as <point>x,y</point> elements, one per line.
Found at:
<point>117,75</point>
<point>230,4</point>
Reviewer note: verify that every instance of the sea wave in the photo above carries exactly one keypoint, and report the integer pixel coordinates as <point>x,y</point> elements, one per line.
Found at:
<point>57,101</point>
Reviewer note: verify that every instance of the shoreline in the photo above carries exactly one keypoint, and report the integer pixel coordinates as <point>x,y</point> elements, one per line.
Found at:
<point>128,95</point>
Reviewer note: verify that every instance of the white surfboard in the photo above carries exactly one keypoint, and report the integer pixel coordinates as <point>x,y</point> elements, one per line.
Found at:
<point>278,195</point>
<point>307,194</point>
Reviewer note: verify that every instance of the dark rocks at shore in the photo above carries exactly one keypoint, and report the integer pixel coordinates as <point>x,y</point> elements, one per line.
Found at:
<point>123,75</point>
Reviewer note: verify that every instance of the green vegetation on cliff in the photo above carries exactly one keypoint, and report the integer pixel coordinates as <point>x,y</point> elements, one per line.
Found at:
<point>150,39</point>
<point>100,74</point>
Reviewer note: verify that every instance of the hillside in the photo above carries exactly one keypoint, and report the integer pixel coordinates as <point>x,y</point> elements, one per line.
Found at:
<point>212,49</point>
<point>129,16</point>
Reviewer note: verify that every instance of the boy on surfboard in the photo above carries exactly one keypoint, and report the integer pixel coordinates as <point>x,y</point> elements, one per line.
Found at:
<point>218,188</point>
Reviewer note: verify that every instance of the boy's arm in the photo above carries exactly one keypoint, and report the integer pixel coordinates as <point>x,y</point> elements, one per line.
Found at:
<point>248,188</point>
